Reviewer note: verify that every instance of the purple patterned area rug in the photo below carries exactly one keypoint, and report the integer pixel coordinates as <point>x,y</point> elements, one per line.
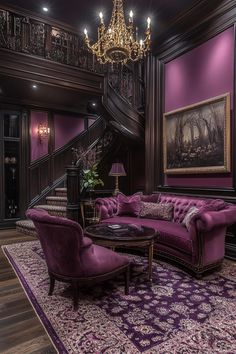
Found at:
<point>177,314</point>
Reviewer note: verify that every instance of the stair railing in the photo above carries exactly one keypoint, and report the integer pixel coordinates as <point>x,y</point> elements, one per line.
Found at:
<point>80,160</point>
<point>127,82</point>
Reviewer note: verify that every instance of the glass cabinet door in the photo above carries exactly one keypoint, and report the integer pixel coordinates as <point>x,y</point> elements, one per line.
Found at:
<point>11,176</point>
<point>11,125</point>
<point>11,156</point>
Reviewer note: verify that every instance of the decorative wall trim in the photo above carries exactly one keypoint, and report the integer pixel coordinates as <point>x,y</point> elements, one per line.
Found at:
<point>226,194</point>
<point>206,17</point>
<point>234,114</point>
<point>25,160</point>
<point>152,74</point>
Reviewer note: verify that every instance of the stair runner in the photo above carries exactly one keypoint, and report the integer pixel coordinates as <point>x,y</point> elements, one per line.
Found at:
<point>56,206</point>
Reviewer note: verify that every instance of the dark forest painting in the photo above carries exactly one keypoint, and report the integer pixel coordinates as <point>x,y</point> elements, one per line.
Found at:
<point>197,137</point>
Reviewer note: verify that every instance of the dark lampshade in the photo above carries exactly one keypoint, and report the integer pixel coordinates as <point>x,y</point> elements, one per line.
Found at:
<point>117,169</point>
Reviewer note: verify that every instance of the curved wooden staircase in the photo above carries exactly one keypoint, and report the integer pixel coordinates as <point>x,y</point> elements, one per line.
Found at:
<point>123,102</point>
<point>56,204</point>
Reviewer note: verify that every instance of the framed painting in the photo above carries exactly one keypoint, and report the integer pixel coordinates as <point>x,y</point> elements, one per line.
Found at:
<point>197,137</point>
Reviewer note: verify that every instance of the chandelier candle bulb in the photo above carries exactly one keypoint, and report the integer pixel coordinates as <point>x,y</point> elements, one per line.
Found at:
<point>101,17</point>
<point>131,15</point>
<point>148,22</point>
<point>86,33</point>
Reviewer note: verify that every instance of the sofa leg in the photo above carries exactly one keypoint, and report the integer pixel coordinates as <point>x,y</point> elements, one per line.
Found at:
<point>127,281</point>
<point>75,295</point>
<point>52,284</point>
<point>199,275</point>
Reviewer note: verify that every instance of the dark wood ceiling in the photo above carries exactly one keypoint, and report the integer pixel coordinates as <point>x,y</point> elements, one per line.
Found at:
<point>79,14</point>
<point>15,90</point>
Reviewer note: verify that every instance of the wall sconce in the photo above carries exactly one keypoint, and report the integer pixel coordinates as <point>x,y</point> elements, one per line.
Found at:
<point>43,131</point>
<point>117,170</point>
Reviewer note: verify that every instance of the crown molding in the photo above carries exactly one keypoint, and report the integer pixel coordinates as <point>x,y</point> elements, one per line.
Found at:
<point>205,17</point>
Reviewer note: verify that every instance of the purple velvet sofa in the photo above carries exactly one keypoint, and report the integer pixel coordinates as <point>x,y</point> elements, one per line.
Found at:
<point>199,248</point>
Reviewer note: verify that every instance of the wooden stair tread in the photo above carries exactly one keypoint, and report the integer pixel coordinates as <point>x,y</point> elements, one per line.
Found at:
<point>26,223</point>
<point>55,197</point>
<point>26,227</point>
<point>62,189</point>
<point>51,207</point>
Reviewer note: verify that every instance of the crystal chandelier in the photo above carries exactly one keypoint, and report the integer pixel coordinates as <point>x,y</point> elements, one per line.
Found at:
<point>118,43</point>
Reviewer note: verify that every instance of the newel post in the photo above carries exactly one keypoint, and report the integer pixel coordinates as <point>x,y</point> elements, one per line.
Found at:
<point>73,211</point>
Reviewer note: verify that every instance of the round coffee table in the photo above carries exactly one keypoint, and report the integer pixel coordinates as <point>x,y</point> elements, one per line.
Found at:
<point>124,235</point>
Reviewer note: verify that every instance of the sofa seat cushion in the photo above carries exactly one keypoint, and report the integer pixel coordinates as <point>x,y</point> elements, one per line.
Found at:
<point>173,234</point>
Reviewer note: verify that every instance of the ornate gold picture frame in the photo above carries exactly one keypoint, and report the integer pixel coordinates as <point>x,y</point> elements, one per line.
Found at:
<point>196,138</point>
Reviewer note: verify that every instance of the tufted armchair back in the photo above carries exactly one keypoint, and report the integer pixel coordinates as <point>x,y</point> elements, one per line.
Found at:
<point>182,204</point>
<point>61,240</point>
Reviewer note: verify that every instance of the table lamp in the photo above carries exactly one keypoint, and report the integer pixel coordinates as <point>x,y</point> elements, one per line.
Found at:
<point>117,170</point>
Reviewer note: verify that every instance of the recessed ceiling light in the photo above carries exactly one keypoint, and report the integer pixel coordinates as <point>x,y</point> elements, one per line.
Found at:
<point>45,9</point>
<point>34,86</point>
<point>94,104</point>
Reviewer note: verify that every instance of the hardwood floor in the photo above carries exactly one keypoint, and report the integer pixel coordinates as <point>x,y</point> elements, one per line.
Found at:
<point>20,330</point>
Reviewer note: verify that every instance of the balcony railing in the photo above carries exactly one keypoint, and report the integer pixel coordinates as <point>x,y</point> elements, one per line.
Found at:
<point>32,36</point>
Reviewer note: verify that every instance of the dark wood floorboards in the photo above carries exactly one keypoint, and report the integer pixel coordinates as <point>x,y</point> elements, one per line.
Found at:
<point>20,330</point>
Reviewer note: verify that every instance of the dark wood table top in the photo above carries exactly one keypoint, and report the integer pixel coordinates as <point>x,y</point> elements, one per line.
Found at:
<point>120,232</point>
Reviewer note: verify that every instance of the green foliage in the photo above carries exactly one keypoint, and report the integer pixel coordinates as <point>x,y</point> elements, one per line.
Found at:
<point>91,178</point>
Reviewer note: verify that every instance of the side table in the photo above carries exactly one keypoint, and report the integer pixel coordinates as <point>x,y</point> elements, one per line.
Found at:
<point>124,235</point>
<point>89,213</point>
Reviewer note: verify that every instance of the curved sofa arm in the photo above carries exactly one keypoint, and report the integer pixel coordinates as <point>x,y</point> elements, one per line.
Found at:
<point>86,242</point>
<point>209,220</point>
<point>106,207</point>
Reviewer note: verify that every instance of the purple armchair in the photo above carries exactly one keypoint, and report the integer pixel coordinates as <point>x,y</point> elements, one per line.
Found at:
<point>73,258</point>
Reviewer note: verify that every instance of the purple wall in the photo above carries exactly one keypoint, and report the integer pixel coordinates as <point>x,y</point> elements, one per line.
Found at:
<point>204,72</point>
<point>66,128</point>
<point>38,149</point>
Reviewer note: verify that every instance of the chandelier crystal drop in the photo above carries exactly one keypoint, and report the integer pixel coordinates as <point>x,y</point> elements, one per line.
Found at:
<point>118,42</point>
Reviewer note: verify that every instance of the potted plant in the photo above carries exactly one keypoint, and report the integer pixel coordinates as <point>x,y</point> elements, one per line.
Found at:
<point>90,179</point>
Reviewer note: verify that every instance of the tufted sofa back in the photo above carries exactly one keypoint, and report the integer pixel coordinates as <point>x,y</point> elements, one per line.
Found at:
<point>107,207</point>
<point>182,204</point>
